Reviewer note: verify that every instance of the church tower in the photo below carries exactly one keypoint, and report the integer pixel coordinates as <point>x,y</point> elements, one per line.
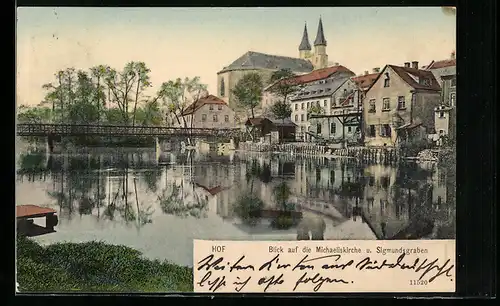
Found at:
<point>305,46</point>
<point>320,58</point>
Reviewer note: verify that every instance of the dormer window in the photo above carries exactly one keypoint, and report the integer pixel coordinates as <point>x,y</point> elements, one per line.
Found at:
<point>426,82</point>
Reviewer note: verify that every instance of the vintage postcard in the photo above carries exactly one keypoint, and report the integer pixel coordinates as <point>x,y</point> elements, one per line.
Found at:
<point>271,150</point>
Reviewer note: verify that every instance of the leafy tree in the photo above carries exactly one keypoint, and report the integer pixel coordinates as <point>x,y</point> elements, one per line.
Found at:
<point>315,109</point>
<point>180,96</point>
<point>248,91</point>
<point>127,86</point>
<point>281,110</point>
<point>285,84</point>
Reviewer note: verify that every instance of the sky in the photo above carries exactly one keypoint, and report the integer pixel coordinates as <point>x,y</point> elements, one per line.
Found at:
<point>189,42</point>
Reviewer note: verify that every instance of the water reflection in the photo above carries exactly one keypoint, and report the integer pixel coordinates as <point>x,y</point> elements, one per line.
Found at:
<point>254,194</point>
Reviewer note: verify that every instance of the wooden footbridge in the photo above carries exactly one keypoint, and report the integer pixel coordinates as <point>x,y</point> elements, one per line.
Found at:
<point>32,129</point>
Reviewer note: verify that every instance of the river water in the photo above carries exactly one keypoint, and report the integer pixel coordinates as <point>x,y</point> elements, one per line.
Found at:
<point>127,196</point>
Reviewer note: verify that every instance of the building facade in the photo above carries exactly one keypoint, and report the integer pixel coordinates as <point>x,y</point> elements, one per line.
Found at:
<point>445,114</point>
<point>401,99</point>
<point>341,121</point>
<point>209,112</point>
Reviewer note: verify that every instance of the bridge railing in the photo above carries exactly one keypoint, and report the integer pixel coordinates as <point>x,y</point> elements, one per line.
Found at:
<point>33,129</point>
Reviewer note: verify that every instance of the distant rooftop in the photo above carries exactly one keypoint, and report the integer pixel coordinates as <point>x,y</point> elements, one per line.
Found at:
<point>257,60</point>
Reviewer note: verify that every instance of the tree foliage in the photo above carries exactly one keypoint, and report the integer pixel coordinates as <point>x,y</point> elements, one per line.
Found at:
<point>248,91</point>
<point>104,95</point>
<point>285,84</point>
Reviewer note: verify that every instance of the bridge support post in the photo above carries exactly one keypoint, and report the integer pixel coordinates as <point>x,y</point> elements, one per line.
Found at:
<point>49,145</point>
<point>157,149</point>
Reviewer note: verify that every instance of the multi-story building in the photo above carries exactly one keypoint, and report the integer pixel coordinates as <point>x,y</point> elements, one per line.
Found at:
<point>209,112</point>
<point>399,106</point>
<point>445,115</point>
<point>341,119</point>
<point>318,90</point>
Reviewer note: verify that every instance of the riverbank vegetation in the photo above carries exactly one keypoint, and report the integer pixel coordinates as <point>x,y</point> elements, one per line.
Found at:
<point>94,267</point>
<point>107,96</point>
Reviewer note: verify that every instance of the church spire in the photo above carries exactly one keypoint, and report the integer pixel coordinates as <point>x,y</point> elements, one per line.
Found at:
<point>304,44</point>
<point>320,37</point>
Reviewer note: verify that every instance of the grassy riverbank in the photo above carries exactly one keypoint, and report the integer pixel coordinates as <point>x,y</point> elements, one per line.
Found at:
<point>94,267</point>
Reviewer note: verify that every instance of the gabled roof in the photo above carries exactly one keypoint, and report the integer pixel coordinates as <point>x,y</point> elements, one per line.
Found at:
<point>210,99</point>
<point>315,75</point>
<point>320,90</point>
<point>257,121</point>
<point>304,44</point>
<point>365,81</point>
<point>409,76</point>
<point>441,64</point>
<point>257,60</point>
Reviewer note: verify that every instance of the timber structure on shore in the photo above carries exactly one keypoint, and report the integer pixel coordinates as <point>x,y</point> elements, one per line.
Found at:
<point>384,155</point>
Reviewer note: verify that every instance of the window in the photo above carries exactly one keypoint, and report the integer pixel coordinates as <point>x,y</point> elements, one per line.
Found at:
<point>215,118</point>
<point>318,128</point>
<point>333,128</point>
<point>296,118</point>
<point>219,107</point>
<point>441,132</point>
<point>371,131</point>
<point>386,80</point>
<point>401,102</point>
<point>385,130</point>
<point>386,104</point>
<point>308,105</point>
<point>324,103</point>
<point>226,118</point>
<point>453,82</point>
<point>302,105</point>
<point>441,115</point>
<point>349,129</point>
<point>317,103</point>
<point>426,82</point>
<point>302,129</point>
<point>204,118</point>
<point>452,99</point>
<point>296,106</point>
<point>211,107</point>
<point>371,108</point>
<point>222,88</point>
<point>302,117</point>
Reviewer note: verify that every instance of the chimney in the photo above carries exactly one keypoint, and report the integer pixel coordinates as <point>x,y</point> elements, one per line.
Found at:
<point>336,64</point>
<point>453,55</point>
<point>407,64</point>
<point>414,65</point>
<point>376,70</point>
<point>366,72</point>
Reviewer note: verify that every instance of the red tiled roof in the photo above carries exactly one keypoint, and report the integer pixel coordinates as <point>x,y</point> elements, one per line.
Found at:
<point>317,75</point>
<point>32,211</point>
<point>406,72</point>
<point>365,81</point>
<point>442,64</point>
<point>210,99</point>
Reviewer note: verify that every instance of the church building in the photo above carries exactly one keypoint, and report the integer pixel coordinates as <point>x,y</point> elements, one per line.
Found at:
<point>266,64</point>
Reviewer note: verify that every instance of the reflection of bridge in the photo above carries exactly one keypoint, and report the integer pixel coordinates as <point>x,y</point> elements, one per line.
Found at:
<point>32,129</point>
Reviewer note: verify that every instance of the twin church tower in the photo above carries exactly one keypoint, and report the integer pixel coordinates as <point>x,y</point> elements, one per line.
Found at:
<point>318,58</point>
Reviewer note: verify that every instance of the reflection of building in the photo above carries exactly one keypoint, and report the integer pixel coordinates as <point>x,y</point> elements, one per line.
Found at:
<point>399,104</point>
